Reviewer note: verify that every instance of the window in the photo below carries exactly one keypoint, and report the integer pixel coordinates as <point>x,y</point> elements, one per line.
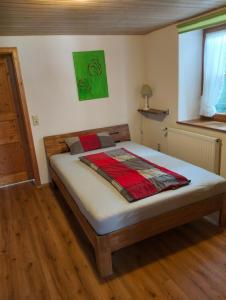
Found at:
<point>213,101</point>
<point>202,77</point>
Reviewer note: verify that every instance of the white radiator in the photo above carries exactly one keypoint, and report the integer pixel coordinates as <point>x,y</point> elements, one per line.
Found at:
<point>200,150</point>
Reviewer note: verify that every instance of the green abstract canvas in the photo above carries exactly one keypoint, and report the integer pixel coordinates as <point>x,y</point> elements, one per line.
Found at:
<point>91,76</point>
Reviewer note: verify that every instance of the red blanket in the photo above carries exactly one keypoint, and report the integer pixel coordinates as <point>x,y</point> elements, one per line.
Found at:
<point>133,176</point>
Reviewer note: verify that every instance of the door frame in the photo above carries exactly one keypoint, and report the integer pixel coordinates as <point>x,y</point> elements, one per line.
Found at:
<point>12,51</point>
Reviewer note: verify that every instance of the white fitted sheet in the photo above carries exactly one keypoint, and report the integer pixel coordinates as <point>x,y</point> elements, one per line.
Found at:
<point>107,210</point>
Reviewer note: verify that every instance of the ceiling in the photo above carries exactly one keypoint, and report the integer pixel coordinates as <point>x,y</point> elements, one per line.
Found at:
<point>45,17</point>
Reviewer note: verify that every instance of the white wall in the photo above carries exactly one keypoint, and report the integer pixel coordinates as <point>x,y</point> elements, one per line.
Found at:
<point>49,80</point>
<point>190,74</point>
<point>162,73</point>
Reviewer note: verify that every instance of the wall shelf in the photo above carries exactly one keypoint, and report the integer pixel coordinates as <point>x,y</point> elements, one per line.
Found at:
<point>154,111</point>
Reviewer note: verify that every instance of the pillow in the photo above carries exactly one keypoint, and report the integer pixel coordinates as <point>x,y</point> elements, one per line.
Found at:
<point>88,142</point>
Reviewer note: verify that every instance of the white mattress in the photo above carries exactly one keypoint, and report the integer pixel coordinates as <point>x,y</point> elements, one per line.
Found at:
<point>107,210</point>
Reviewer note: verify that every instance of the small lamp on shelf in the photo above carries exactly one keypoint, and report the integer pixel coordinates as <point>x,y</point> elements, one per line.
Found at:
<point>146,93</point>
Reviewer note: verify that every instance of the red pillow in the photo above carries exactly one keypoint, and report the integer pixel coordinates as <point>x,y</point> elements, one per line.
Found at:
<point>90,142</point>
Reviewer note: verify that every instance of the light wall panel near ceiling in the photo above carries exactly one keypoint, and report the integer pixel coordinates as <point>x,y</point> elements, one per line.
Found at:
<point>61,17</point>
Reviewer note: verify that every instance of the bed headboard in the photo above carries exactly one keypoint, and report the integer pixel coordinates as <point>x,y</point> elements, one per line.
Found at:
<point>55,144</point>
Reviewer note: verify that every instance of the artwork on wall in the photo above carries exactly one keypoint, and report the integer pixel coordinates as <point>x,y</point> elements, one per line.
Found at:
<point>91,75</point>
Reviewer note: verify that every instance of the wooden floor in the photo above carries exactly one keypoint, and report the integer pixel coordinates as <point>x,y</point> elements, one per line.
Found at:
<point>44,255</point>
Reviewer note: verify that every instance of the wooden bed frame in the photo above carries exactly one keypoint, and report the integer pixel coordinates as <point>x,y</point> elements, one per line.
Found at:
<point>105,245</point>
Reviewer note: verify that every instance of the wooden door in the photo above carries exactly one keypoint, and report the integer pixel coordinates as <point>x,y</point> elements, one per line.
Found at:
<point>15,162</point>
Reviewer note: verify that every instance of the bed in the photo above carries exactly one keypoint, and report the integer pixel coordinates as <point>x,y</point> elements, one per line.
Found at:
<point>108,220</point>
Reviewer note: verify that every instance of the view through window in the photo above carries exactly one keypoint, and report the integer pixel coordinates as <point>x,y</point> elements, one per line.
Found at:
<point>221,105</point>
<point>213,99</point>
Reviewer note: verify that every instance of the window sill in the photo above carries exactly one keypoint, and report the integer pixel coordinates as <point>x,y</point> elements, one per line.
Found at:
<point>206,124</point>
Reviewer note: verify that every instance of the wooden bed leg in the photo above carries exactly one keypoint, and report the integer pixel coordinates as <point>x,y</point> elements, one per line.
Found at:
<point>222,217</point>
<point>103,257</point>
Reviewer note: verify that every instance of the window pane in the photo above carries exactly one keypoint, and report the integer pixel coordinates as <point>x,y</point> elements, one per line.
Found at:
<point>221,105</point>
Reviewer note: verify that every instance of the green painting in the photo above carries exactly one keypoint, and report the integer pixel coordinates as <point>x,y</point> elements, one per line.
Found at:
<point>91,76</point>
